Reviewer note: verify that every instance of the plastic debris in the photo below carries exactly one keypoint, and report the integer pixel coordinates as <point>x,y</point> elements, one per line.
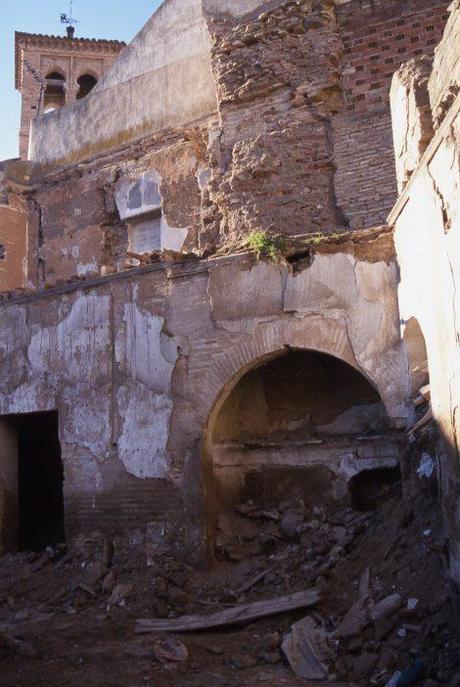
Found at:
<point>426,467</point>
<point>412,674</point>
<point>307,650</point>
<point>412,603</point>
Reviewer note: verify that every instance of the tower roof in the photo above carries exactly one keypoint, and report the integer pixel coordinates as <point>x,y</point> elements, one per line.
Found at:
<point>37,41</point>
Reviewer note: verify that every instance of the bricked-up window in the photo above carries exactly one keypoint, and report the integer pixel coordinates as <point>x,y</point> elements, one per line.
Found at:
<point>2,252</point>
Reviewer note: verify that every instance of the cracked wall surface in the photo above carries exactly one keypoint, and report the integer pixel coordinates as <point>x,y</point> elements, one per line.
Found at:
<point>427,239</point>
<point>136,366</point>
<point>269,99</point>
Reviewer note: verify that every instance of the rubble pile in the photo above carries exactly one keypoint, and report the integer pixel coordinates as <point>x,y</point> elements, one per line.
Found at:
<point>381,611</point>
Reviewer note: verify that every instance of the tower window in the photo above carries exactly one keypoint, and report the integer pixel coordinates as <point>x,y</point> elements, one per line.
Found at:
<point>86,83</point>
<point>54,92</point>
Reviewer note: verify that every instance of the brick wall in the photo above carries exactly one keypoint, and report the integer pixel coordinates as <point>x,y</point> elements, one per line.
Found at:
<point>365,182</point>
<point>378,37</point>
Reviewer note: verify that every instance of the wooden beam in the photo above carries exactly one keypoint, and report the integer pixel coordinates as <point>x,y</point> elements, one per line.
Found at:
<point>231,616</point>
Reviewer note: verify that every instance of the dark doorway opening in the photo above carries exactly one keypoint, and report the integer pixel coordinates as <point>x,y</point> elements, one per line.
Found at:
<point>370,488</point>
<point>40,482</point>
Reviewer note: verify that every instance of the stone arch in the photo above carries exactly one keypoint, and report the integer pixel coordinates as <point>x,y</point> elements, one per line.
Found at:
<point>316,335</point>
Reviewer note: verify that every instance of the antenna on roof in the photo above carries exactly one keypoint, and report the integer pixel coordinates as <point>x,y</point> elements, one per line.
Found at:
<point>69,20</point>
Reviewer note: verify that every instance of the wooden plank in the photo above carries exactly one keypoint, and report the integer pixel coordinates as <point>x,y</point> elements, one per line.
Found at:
<point>231,616</point>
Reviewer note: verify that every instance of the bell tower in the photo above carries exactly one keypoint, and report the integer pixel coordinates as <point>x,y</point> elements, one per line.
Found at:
<point>53,71</point>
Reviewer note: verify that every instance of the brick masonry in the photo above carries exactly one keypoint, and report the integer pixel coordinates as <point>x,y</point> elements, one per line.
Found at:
<point>377,38</point>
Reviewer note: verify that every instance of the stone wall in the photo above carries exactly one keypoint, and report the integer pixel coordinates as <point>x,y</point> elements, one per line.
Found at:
<point>138,363</point>
<point>303,85</point>
<point>427,237</point>
<point>13,248</point>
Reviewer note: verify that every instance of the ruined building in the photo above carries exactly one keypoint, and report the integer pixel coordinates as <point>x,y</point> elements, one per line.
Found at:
<point>153,370</point>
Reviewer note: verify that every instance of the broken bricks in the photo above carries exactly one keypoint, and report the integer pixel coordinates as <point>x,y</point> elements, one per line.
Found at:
<point>170,650</point>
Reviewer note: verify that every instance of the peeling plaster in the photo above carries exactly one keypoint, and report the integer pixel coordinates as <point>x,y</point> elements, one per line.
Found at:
<point>150,354</point>
<point>83,269</point>
<point>143,440</point>
<point>144,403</point>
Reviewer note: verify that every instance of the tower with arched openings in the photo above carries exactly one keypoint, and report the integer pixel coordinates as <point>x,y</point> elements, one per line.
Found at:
<point>53,71</point>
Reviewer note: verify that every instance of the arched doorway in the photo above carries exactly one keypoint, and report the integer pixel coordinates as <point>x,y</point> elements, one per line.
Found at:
<point>301,423</point>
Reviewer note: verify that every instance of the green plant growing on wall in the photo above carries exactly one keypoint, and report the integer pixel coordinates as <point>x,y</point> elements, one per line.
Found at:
<point>267,245</point>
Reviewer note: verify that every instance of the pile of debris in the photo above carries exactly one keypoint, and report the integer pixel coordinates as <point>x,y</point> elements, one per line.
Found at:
<point>295,593</point>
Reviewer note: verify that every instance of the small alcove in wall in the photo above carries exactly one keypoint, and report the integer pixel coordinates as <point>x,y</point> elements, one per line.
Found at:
<point>301,423</point>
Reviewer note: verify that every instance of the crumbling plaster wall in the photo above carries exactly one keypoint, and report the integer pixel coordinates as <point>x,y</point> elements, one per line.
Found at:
<point>13,248</point>
<point>263,162</point>
<point>82,226</point>
<point>428,252</point>
<point>138,366</point>
<point>427,239</point>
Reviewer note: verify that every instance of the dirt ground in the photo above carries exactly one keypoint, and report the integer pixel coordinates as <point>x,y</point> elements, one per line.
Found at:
<point>72,619</point>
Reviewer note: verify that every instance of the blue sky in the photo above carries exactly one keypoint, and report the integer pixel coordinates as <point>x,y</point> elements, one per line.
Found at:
<point>117,19</point>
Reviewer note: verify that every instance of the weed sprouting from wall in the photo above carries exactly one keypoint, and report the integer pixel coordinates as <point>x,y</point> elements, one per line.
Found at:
<point>267,245</point>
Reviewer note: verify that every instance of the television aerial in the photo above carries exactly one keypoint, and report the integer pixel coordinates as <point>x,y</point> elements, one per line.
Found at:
<point>69,20</point>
